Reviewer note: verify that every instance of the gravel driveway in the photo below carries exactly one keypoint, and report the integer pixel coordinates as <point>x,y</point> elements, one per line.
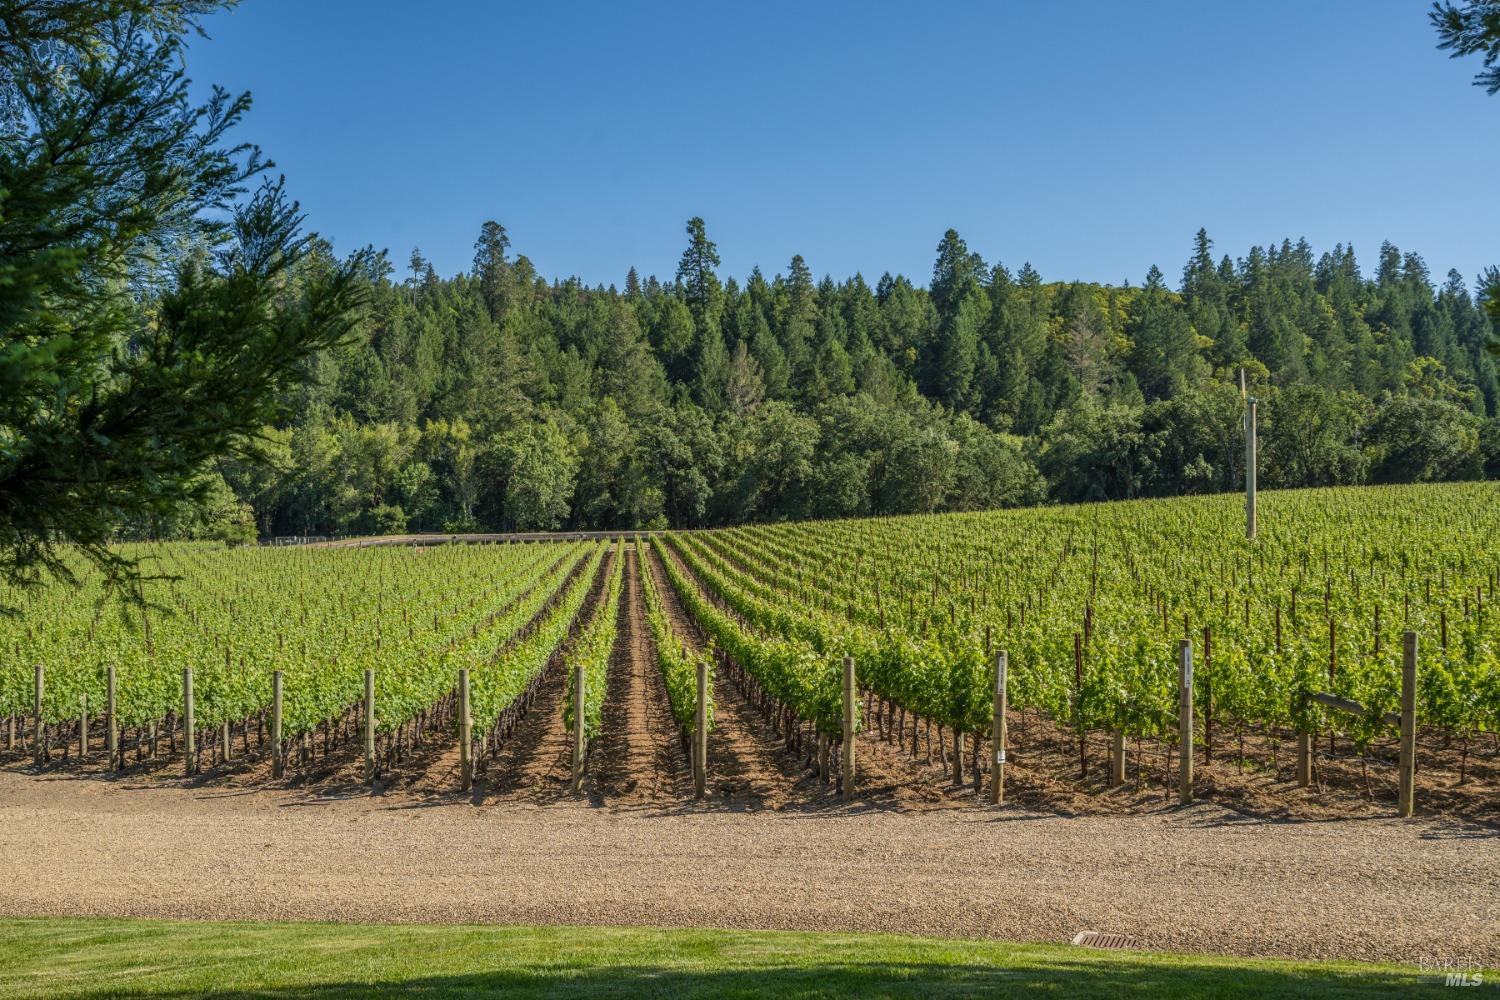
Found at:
<point>1200,879</point>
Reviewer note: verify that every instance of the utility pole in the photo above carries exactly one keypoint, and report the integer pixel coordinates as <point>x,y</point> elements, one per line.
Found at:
<point>1251,512</point>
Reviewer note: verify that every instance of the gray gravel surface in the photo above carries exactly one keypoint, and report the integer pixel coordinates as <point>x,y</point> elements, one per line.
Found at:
<point>1199,879</point>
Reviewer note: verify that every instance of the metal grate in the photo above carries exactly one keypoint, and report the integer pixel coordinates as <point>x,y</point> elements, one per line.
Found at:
<point>1106,939</point>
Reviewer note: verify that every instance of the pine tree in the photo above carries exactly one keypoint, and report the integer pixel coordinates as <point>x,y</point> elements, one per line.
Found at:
<point>418,267</point>
<point>1163,354</point>
<point>113,182</point>
<point>1469,28</point>
<point>695,271</point>
<point>491,268</point>
<point>801,301</point>
<point>955,267</point>
<point>957,349</point>
<point>1207,300</point>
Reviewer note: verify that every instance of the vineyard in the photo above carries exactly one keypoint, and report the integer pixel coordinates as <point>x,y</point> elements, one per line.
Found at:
<point>810,662</point>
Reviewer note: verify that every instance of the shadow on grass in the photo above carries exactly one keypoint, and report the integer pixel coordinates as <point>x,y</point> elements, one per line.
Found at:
<point>1113,977</point>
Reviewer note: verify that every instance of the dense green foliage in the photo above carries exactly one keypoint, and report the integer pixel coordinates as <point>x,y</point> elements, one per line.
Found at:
<point>496,399</point>
<point>1318,602</point>
<point>153,313</point>
<point>321,617</point>
<point>801,677</point>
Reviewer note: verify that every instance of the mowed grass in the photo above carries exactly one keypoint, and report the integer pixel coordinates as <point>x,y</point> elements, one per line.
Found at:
<point>47,958</point>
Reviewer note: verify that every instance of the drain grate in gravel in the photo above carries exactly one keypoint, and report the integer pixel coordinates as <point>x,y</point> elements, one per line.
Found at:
<point>1105,939</point>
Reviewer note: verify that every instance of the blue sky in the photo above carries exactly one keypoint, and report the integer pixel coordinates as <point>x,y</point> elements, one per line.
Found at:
<point>1092,139</point>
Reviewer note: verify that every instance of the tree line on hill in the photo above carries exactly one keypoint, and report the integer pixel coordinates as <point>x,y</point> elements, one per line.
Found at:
<point>497,400</point>
<point>179,359</point>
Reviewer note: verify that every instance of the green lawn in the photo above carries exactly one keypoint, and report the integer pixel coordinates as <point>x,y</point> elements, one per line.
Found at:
<point>109,958</point>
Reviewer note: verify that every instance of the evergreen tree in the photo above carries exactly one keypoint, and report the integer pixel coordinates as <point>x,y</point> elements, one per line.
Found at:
<point>1163,354</point>
<point>146,331</point>
<point>1470,27</point>
<point>695,272</point>
<point>954,268</point>
<point>419,268</point>
<point>801,301</point>
<point>957,349</point>
<point>1207,299</point>
<point>490,267</point>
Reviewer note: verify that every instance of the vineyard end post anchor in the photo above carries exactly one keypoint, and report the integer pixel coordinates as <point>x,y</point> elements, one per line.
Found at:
<point>1185,721</point>
<point>189,736</point>
<point>700,734</point>
<point>1408,760</point>
<point>111,729</point>
<point>579,701</point>
<point>278,751</point>
<point>38,752</point>
<point>997,728</point>
<point>369,726</point>
<point>850,689</point>
<point>465,734</point>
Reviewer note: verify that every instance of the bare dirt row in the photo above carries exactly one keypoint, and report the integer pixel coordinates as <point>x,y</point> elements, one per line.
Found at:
<point>747,766</point>
<point>638,757</point>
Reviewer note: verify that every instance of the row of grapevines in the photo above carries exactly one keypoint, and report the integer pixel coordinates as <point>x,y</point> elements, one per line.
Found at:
<point>938,674</point>
<point>1317,603</point>
<point>798,674</point>
<point>591,651</point>
<point>321,617</point>
<point>497,682</point>
<point>678,662</point>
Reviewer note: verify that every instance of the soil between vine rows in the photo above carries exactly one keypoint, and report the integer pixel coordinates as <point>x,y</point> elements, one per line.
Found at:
<point>638,756</point>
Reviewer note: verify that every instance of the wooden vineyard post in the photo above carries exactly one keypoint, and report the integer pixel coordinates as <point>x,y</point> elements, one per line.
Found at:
<point>1117,758</point>
<point>189,750</point>
<point>1408,759</point>
<point>278,750</point>
<point>848,754</point>
<point>1304,758</point>
<point>83,726</point>
<point>1083,756</point>
<point>958,755</point>
<point>111,729</point>
<point>1250,463</point>
<point>700,733</point>
<point>1185,721</point>
<point>465,734</point>
<point>997,728</point>
<point>578,700</point>
<point>369,725</point>
<point>37,750</point>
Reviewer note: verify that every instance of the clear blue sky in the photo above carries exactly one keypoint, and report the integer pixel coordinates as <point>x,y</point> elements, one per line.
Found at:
<point>1092,139</point>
